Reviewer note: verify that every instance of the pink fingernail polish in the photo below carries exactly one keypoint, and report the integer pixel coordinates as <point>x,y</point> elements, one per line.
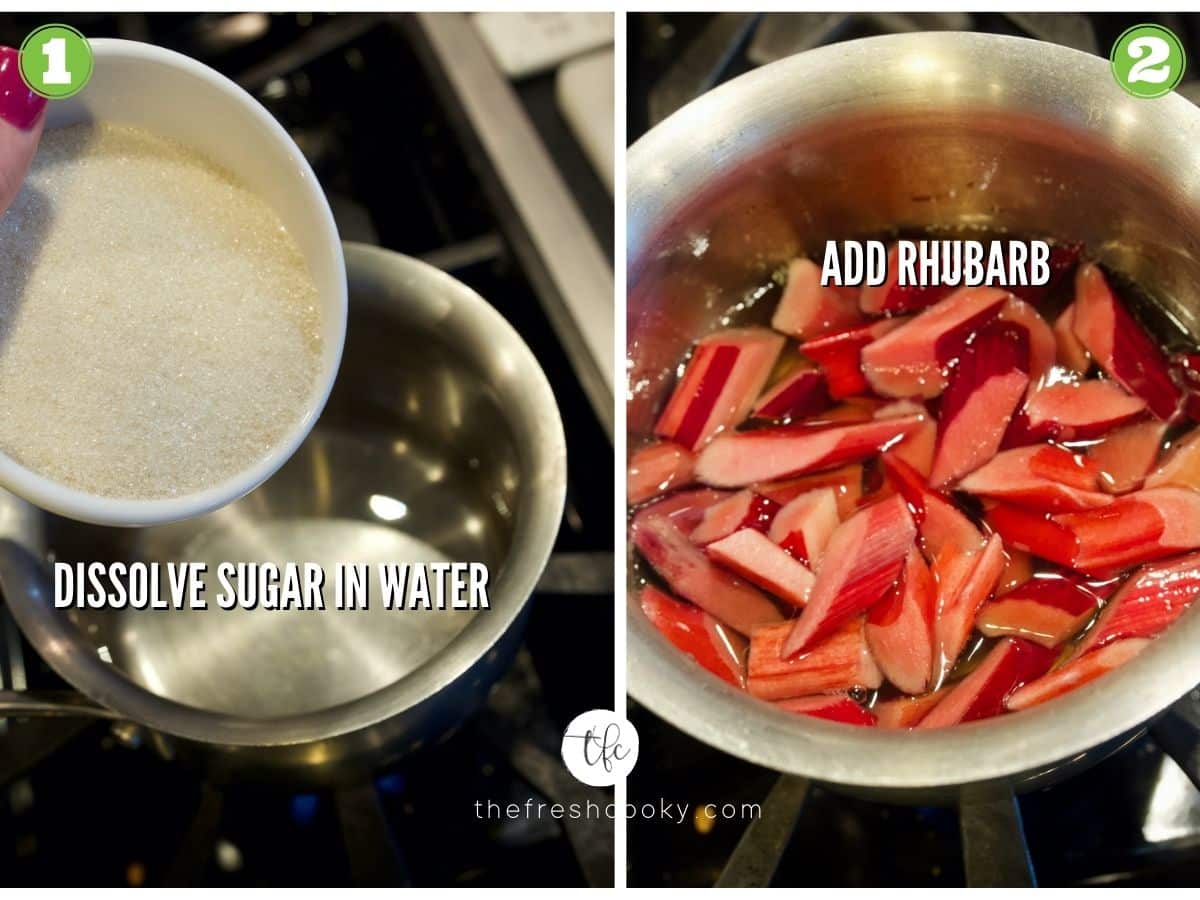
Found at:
<point>19,105</point>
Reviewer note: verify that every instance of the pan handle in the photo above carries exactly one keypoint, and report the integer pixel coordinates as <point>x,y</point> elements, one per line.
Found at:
<point>50,704</point>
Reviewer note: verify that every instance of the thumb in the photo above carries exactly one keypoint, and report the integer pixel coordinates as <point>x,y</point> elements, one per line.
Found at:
<point>20,126</point>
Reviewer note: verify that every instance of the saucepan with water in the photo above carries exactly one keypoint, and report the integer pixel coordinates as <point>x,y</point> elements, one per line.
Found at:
<point>441,441</point>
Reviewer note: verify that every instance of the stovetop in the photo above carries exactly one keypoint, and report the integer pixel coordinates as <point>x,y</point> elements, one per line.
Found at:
<point>1134,819</point>
<point>86,803</point>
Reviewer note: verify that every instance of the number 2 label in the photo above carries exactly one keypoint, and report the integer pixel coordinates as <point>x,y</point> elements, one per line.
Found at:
<point>1148,61</point>
<point>1147,68</point>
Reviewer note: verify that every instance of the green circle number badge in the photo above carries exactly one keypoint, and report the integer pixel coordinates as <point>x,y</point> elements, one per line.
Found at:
<point>56,61</point>
<point>1148,61</point>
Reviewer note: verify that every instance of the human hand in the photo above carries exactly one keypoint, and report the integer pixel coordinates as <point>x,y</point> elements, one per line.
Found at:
<point>21,117</point>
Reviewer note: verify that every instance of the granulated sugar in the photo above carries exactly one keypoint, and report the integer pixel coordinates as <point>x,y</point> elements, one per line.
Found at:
<point>159,329</point>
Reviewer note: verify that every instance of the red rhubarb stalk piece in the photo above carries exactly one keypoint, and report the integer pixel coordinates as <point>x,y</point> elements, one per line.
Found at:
<point>913,360</point>
<point>658,469</point>
<point>802,527</point>
<point>1075,673</point>
<point>906,712</point>
<point>1070,352</point>
<point>890,297</point>
<point>745,509</point>
<point>1134,529</point>
<point>1033,532</point>
<point>1043,477</point>
<point>1115,340</point>
<point>840,356</point>
<point>1151,599</point>
<point>1079,410</point>
<point>692,576</point>
<point>1009,664</point>
<point>722,380</point>
<point>697,634</point>
<point>1042,347</point>
<point>807,310</point>
<point>987,385</point>
<point>900,628</point>
<point>939,521</point>
<point>1049,609</point>
<point>839,662</point>
<point>862,560</point>
<point>918,448</point>
<point>1181,464</point>
<point>1127,455</point>
<point>1063,258</point>
<point>685,508</point>
<point>766,454</point>
<point>846,482</point>
<point>797,395</point>
<point>964,584</point>
<point>756,558</point>
<point>834,707</point>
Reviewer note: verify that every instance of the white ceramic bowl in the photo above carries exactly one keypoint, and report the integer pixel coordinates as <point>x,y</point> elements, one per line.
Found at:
<point>175,96</point>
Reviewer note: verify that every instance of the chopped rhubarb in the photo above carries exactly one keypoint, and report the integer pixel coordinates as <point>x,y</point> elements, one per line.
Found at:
<point>802,528</point>
<point>1180,465</point>
<point>722,380</point>
<point>890,297</point>
<point>834,707</point>
<point>851,409</point>
<point>691,575</point>
<point>900,628</point>
<point>1049,609</point>
<point>657,469</point>
<point>984,390</point>
<point>964,583</point>
<point>906,712</point>
<point>765,454</point>
<point>1127,455</point>
<point>1040,338</point>
<point>840,356</point>
<point>861,562</point>
<point>1071,354</point>
<point>1008,665</point>
<point>1135,528</point>
<point>697,634</point>
<point>845,481</point>
<point>1151,599</point>
<point>918,448</point>
<point>912,360</point>
<point>1077,672</point>
<point>939,521</point>
<point>799,394</point>
<point>756,558</point>
<point>1075,411</point>
<point>1045,477</point>
<point>745,509</point>
<point>1033,532</point>
<point>840,662</point>
<point>1117,342</point>
<point>685,509</point>
<point>807,310</point>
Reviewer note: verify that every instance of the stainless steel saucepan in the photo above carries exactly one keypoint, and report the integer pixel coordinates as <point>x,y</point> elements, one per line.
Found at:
<point>851,140</point>
<point>441,441</point>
